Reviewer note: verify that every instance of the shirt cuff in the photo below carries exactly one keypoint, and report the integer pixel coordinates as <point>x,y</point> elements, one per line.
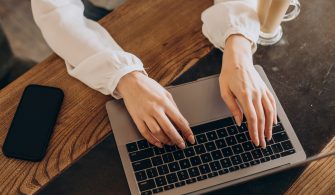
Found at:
<point>231,17</point>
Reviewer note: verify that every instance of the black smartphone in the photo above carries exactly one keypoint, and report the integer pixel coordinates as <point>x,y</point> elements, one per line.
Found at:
<point>33,123</point>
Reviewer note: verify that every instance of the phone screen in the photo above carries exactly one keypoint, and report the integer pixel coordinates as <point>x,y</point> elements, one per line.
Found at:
<point>30,131</point>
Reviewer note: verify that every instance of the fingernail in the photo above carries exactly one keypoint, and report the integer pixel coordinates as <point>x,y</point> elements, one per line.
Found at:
<point>159,145</point>
<point>238,120</point>
<point>191,139</point>
<point>256,143</point>
<point>182,145</point>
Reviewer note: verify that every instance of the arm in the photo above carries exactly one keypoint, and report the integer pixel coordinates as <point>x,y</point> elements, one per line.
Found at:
<point>92,56</point>
<point>233,26</point>
<point>90,53</point>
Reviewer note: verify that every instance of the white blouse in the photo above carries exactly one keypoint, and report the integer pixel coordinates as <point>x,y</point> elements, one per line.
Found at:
<point>92,55</point>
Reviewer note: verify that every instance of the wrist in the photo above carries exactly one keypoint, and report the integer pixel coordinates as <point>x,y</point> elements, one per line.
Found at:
<point>238,52</point>
<point>128,81</point>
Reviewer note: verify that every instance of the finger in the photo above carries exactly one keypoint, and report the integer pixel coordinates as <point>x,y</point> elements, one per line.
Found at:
<point>169,129</point>
<point>178,119</point>
<point>143,129</point>
<point>260,120</point>
<point>250,114</point>
<point>274,105</point>
<point>232,105</point>
<point>268,111</point>
<point>156,130</point>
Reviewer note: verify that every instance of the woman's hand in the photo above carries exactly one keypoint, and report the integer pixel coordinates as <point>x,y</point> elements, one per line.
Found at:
<point>154,110</point>
<point>242,87</point>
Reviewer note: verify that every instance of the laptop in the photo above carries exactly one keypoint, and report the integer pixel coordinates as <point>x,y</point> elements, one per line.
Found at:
<point>222,156</point>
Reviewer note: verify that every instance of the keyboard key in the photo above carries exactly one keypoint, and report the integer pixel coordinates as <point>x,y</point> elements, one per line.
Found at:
<point>223,171</point>
<point>170,148</point>
<point>247,146</point>
<point>189,181</point>
<point>163,169</point>
<point>279,137</point>
<point>246,157</point>
<point>167,157</point>
<point>231,140</point>
<point>220,143</point>
<point>152,172</point>
<point>243,128</point>
<point>210,146</point>
<point>146,193</point>
<point>234,168</point>
<point>277,148</point>
<point>222,133</point>
<point>204,169</point>
<point>174,166</point>
<point>269,142</point>
<point>255,162</point>
<point>168,187</point>
<point>257,153</point>
<point>160,181</point>
<point>193,172</point>
<point>216,155</point>
<point>157,160</point>
<point>227,152</point>
<point>227,122</point>
<point>182,175</point>
<point>267,151</point>
<point>211,135</point>
<point>171,178</point>
<point>288,152</point>
<point>206,158</point>
<point>159,151</point>
<point>131,147</point>
<point>213,174</point>
<point>215,166</point>
<point>146,185</point>
<point>202,177</point>
<point>241,138</point>
<point>157,190</point>
<point>142,144</point>
<point>141,154</point>
<point>143,164</point>
<point>189,152</point>
<point>179,184</point>
<point>287,145</point>
<point>225,163</point>
<point>140,176</point>
<point>245,165</point>
<point>199,149</point>
<point>201,138</point>
<point>179,154</point>
<point>277,129</point>
<point>184,164</point>
<point>236,159</point>
<point>232,130</point>
<point>195,160</point>
<point>237,149</point>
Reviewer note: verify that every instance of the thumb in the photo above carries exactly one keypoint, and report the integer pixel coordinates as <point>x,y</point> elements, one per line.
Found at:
<point>232,105</point>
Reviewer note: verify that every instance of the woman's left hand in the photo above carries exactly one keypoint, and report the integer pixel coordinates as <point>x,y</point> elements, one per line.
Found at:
<point>241,86</point>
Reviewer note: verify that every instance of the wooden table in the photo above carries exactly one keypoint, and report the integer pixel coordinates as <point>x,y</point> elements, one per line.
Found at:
<point>165,34</point>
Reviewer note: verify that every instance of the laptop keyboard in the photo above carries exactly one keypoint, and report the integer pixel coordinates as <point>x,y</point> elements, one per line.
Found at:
<point>221,147</point>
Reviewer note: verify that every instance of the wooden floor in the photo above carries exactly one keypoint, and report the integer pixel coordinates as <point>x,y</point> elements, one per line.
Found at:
<point>24,36</point>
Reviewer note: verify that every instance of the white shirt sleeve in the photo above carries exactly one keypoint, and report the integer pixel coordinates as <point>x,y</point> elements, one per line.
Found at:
<point>90,53</point>
<point>227,17</point>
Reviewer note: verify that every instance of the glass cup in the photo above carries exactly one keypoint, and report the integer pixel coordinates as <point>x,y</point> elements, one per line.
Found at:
<point>271,14</point>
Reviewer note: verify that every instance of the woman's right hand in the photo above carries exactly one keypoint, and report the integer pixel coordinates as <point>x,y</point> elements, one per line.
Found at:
<point>154,110</point>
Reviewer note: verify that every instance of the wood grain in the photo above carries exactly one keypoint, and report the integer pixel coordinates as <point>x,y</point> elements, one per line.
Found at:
<point>165,34</point>
<point>318,177</point>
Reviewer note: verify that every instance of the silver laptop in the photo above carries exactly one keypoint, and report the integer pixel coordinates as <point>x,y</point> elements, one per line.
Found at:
<point>222,156</point>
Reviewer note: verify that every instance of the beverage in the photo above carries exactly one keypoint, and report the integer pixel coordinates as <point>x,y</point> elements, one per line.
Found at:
<point>276,13</point>
<point>271,13</point>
